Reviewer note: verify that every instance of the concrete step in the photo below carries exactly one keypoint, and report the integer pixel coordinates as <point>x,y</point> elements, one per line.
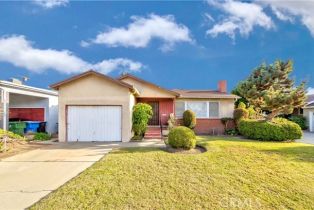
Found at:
<point>152,137</point>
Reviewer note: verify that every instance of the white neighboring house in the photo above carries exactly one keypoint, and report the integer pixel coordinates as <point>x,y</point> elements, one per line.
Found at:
<point>18,100</point>
<point>308,112</point>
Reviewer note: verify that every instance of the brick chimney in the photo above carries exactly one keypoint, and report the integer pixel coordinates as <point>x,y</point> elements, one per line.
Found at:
<point>222,86</point>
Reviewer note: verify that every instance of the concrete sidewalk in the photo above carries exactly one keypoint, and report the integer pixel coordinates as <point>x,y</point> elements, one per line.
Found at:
<point>307,138</point>
<point>26,178</point>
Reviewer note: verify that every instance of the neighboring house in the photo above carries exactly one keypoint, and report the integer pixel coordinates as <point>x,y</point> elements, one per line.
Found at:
<point>308,112</point>
<point>96,107</point>
<point>22,102</point>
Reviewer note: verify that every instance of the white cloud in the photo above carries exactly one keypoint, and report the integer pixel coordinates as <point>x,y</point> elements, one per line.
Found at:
<point>240,17</point>
<point>49,4</point>
<point>310,91</point>
<point>142,30</point>
<point>289,10</point>
<point>20,52</point>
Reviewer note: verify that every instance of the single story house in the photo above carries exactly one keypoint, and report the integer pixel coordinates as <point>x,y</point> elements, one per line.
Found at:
<point>96,107</point>
<point>308,112</point>
<point>22,102</point>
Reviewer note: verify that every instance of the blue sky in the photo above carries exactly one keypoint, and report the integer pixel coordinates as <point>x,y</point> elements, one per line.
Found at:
<point>179,44</point>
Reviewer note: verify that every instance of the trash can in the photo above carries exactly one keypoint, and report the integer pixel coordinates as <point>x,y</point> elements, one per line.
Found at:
<point>31,126</point>
<point>17,127</point>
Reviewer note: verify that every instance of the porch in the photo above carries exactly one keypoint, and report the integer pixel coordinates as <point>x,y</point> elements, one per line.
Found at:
<point>162,108</point>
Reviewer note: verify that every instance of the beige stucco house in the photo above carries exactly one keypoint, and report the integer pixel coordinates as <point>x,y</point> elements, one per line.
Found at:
<point>308,112</point>
<point>96,107</point>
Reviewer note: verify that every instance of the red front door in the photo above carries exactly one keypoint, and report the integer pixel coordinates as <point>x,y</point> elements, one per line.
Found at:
<point>155,118</point>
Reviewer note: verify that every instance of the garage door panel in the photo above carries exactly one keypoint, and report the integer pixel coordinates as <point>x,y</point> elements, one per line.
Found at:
<point>94,123</point>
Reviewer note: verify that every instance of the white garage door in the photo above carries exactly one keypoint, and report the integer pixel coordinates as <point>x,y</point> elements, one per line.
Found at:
<point>94,123</point>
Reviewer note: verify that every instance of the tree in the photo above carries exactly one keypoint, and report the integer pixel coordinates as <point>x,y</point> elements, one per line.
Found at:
<point>269,88</point>
<point>239,100</point>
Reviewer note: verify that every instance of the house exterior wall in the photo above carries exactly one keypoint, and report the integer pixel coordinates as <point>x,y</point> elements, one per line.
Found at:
<point>213,126</point>
<point>50,104</point>
<point>19,97</point>
<point>166,107</point>
<point>146,90</point>
<point>94,90</point>
<point>4,109</point>
<point>306,113</point>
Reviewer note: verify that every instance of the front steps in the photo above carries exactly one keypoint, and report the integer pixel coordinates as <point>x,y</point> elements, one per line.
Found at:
<point>153,132</point>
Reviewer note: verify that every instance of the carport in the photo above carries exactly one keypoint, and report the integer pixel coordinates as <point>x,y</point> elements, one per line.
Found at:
<point>25,103</point>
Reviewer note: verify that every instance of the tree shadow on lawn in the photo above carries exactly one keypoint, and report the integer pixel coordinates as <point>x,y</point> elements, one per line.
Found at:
<point>297,153</point>
<point>292,150</point>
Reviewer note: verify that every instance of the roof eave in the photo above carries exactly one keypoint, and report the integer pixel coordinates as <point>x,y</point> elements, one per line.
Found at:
<point>89,72</point>
<point>149,83</point>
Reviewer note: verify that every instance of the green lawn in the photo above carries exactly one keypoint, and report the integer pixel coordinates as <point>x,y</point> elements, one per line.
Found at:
<point>231,174</point>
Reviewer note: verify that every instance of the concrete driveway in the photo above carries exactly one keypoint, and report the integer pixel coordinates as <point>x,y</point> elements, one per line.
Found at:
<point>27,177</point>
<point>307,138</point>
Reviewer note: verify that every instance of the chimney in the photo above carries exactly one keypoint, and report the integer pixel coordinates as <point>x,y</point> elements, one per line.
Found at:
<point>222,86</point>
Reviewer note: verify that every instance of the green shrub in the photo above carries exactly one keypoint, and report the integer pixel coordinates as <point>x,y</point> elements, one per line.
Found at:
<point>300,120</point>
<point>232,132</point>
<point>10,135</point>
<point>182,137</point>
<point>141,114</point>
<point>42,136</point>
<point>240,113</point>
<point>241,105</point>
<point>189,119</point>
<point>252,112</point>
<point>278,130</point>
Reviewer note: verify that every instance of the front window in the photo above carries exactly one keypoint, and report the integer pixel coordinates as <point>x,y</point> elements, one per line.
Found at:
<point>198,107</point>
<point>202,109</point>
<point>180,108</point>
<point>213,108</point>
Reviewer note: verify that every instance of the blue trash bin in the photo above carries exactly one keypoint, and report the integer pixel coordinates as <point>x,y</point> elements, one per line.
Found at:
<point>31,126</point>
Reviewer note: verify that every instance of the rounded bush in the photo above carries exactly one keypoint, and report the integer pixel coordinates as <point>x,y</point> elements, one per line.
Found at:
<point>182,137</point>
<point>278,130</point>
<point>189,119</point>
<point>240,113</point>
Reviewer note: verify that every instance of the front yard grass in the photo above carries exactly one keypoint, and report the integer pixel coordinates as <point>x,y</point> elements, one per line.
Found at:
<point>233,173</point>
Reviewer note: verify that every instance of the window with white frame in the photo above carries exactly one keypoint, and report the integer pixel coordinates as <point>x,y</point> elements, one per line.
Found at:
<point>198,107</point>
<point>202,109</point>
<point>180,108</point>
<point>213,109</point>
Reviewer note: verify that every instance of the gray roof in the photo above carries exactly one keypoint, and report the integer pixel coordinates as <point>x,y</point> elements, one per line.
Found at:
<point>203,94</point>
<point>310,98</point>
<point>309,101</point>
<point>310,104</point>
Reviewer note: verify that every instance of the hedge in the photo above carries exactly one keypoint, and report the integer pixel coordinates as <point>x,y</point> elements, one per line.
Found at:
<point>278,130</point>
<point>300,120</point>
